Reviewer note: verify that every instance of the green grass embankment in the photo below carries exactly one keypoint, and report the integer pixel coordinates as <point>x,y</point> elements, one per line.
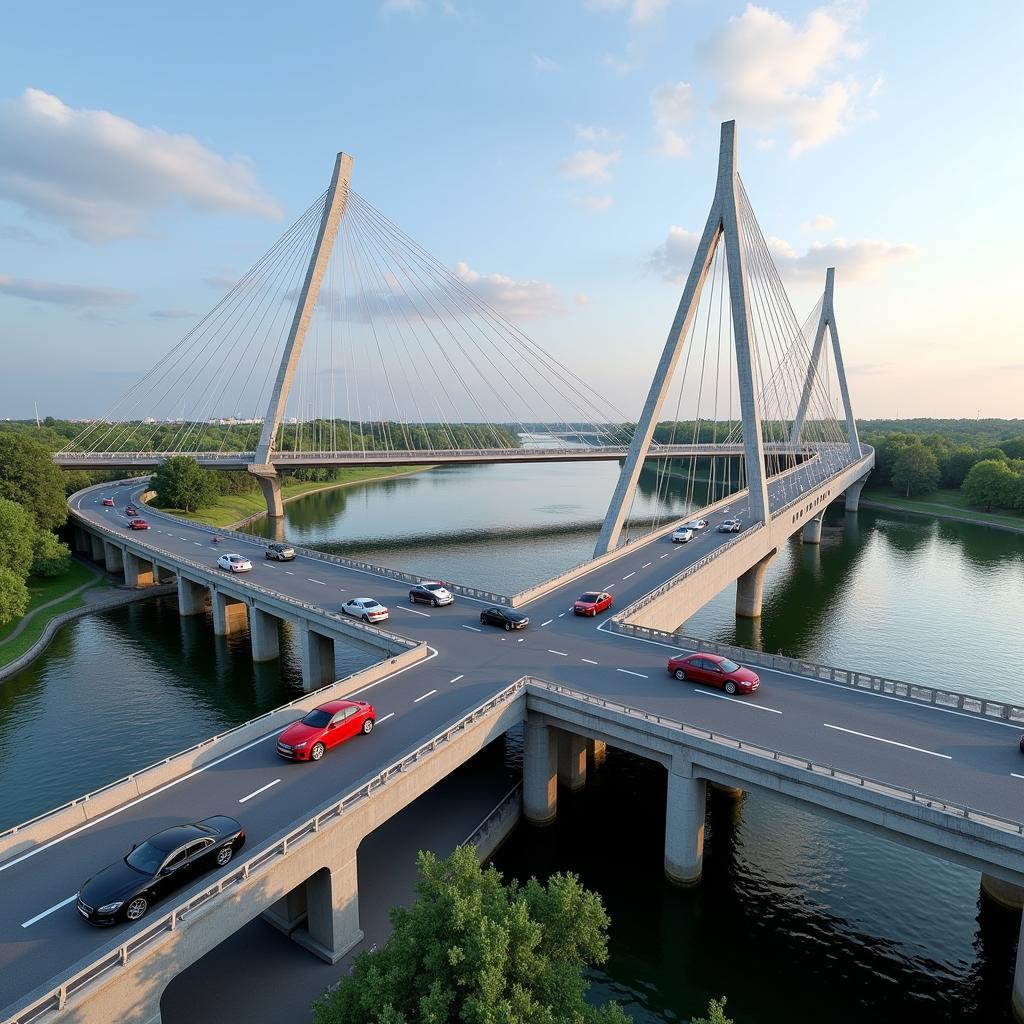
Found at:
<point>943,504</point>
<point>232,508</point>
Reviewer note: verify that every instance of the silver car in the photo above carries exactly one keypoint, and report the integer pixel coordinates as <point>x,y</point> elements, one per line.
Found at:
<point>281,552</point>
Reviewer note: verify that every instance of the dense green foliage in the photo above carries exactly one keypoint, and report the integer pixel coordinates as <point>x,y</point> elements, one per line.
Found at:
<point>50,557</point>
<point>29,477</point>
<point>474,950</point>
<point>716,1014</point>
<point>915,470</point>
<point>996,483</point>
<point>13,595</point>
<point>17,533</point>
<point>181,483</point>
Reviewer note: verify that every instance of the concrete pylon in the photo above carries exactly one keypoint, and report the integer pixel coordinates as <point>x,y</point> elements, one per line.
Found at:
<point>722,225</point>
<point>337,199</point>
<point>827,319</point>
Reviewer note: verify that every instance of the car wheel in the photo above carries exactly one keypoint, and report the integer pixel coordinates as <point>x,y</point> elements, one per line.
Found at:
<point>368,727</point>
<point>137,908</point>
<point>366,619</point>
<point>433,603</point>
<point>317,752</point>
<point>730,686</point>
<point>224,855</point>
<point>412,600</point>
<point>508,627</point>
<point>680,675</point>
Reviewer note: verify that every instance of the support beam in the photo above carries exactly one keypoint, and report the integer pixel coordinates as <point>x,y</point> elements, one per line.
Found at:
<point>750,589</point>
<point>191,597</point>
<point>540,773</point>
<point>812,529</point>
<point>685,808</point>
<point>229,614</point>
<point>572,761</point>
<point>853,494</point>
<point>289,912</point>
<point>722,225</point>
<point>332,912</point>
<point>317,653</point>
<point>137,571</point>
<point>263,635</point>
<point>81,541</point>
<point>113,557</point>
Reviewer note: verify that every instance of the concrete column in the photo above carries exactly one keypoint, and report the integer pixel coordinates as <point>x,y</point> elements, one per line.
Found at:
<point>289,912</point>
<point>853,494</point>
<point>332,912</point>
<point>81,541</point>
<point>812,529</point>
<point>1005,894</point>
<point>540,773</point>
<point>684,829</point>
<point>317,658</point>
<point>113,557</point>
<point>191,597</point>
<point>596,752</point>
<point>137,571</point>
<point>572,761</point>
<point>156,574</point>
<point>229,614</point>
<point>96,547</point>
<point>750,589</point>
<point>263,634</point>
<point>270,485</point>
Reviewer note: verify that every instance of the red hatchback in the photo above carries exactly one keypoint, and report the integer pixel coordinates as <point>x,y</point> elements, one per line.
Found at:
<point>138,524</point>
<point>325,727</point>
<point>592,602</point>
<point>109,502</point>
<point>715,671</point>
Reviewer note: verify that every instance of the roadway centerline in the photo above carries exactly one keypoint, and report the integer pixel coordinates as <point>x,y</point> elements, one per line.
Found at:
<point>667,553</point>
<point>257,792</point>
<point>588,661</point>
<point>429,693</point>
<point>738,700</point>
<point>289,572</point>
<point>646,564</point>
<point>390,714</point>
<point>893,743</point>
<point>457,678</point>
<point>309,579</point>
<point>610,585</point>
<point>46,913</point>
<point>412,611</point>
<point>627,672</point>
<point>628,574</point>
<point>561,654</point>
<point>476,629</point>
<point>1016,776</point>
<point>548,623</point>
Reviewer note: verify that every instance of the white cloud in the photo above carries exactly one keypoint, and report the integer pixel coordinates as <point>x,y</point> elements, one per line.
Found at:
<point>103,176</point>
<point>823,222</point>
<point>517,300</point>
<point>672,106</point>
<point>222,280</point>
<point>854,261</point>
<point>58,294</point>
<point>595,204</point>
<point>774,74</point>
<point>545,64</point>
<point>589,163</point>
<point>583,299</point>
<point>595,134</point>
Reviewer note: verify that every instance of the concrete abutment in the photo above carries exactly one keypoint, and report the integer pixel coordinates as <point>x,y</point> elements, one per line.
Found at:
<point>853,494</point>
<point>812,529</point>
<point>263,634</point>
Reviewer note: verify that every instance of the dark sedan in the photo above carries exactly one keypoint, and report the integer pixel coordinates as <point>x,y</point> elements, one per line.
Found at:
<point>155,868</point>
<point>504,617</point>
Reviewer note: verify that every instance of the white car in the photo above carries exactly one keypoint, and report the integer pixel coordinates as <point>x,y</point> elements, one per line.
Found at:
<point>234,563</point>
<point>694,524</point>
<point>729,526</point>
<point>365,608</point>
<point>682,536</point>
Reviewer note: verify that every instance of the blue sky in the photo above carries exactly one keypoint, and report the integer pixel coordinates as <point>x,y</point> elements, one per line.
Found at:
<point>568,146</point>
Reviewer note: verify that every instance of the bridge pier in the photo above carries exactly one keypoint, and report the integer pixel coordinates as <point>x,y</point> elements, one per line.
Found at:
<point>332,911</point>
<point>853,494</point>
<point>685,807</point>
<point>812,529</point>
<point>572,761</point>
<point>137,571</point>
<point>113,557</point>
<point>263,634</point>
<point>96,547</point>
<point>270,484</point>
<point>540,773</point>
<point>80,538</point>
<point>229,614</point>
<point>317,658</point>
<point>596,752</point>
<point>750,588</point>
<point>191,597</point>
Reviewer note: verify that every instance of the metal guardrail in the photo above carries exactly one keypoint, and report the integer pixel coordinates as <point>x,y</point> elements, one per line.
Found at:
<point>864,782</point>
<point>855,680</point>
<point>56,999</point>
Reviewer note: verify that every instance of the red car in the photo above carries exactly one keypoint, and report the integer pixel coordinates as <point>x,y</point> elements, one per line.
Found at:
<point>592,602</point>
<point>325,727</point>
<point>138,524</point>
<point>109,502</point>
<point>715,671</point>
<point>131,510</point>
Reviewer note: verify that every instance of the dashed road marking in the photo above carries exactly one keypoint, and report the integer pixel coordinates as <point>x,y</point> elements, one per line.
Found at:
<point>390,714</point>
<point>425,696</point>
<point>627,672</point>
<point>1016,776</point>
<point>548,623</point>
<point>588,661</point>
<point>646,564</point>
<point>290,573</point>
<point>309,579</point>
<point>46,913</point>
<point>628,574</point>
<point>610,585</point>
<point>257,792</point>
<point>457,678</point>
<point>892,743</point>
<point>667,553</point>
<point>738,700</point>
<point>561,654</point>
<point>413,611</point>
<point>476,629</point>
<point>561,615</point>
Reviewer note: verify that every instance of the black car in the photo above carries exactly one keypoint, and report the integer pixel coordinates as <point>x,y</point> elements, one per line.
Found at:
<point>432,592</point>
<point>167,861</point>
<point>281,552</point>
<point>1022,744</point>
<point>503,617</point>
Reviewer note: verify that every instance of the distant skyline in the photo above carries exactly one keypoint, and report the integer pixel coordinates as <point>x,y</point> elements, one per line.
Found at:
<point>558,158</point>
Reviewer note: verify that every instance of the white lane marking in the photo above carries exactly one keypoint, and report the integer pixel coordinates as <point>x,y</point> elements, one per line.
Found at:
<point>197,544</point>
<point>893,743</point>
<point>561,654</point>
<point>588,661</point>
<point>289,572</point>
<point>667,553</point>
<point>429,693</point>
<point>628,574</point>
<point>1016,776</point>
<point>476,629</point>
<point>609,587</point>
<point>413,611</point>
<point>309,579</point>
<point>384,576</point>
<point>192,774</point>
<point>561,615</point>
<point>646,564</point>
<point>341,590</point>
<point>46,913</point>
<point>738,700</point>
<point>257,792</point>
<point>457,678</point>
<point>548,623</point>
<point>627,672</point>
<point>390,714</point>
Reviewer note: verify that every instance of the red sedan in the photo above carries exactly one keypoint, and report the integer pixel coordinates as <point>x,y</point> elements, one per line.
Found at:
<point>592,602</point>
<point>325,727</point>
<point>131,510</point>
<point>109,502</point>
<point>138,524</point>
<point>715,671</point>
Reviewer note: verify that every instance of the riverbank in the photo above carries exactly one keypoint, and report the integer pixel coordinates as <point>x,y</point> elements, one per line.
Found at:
<point>944,504</point>
<point>234,510</point>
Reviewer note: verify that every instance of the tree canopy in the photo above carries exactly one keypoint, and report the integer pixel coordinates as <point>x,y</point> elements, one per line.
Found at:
<point>915,470</point>
<point>182,483</point>
<point>29,477</point>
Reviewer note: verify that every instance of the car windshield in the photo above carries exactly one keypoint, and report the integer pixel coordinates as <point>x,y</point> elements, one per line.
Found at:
<point>728,666</point>
<point>317,718</point>
<point>146,858</point>
<point>590,598</point>
<point>432,586</point>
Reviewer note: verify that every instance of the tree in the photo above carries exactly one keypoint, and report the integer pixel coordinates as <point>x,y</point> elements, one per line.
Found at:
<point>716,1014</point>
<point>17,534</point>
<point>991,482</point>
<point>50,556</point>
<point>29,477</point>
<point>916,470</point>
<point>473,949</point>
<point>181,483</point>
<point>13,595</point>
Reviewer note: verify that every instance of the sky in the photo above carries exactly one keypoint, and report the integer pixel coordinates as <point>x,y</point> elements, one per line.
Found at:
<point>559,156</point>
